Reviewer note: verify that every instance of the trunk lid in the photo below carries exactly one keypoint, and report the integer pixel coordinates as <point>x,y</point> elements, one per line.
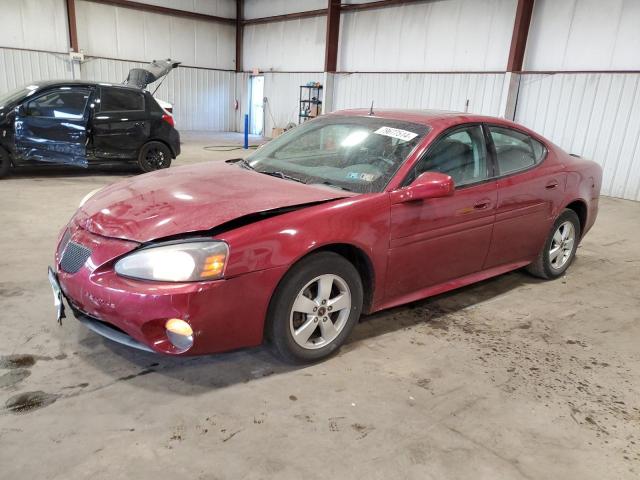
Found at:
<point>141,77</point>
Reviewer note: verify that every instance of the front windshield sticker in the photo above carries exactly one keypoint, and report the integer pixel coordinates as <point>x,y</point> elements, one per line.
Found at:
<point>398,133</point>
<point>367,177</point>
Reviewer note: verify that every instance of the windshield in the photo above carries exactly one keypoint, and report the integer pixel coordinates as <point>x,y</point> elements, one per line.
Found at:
<point>359,154</point>
<point>10,97</point>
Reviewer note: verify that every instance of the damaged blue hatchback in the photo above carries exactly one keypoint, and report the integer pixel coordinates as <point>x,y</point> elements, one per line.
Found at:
<point>82,123</point>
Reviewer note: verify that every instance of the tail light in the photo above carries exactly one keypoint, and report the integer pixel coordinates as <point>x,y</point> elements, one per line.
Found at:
<point>169,119</point>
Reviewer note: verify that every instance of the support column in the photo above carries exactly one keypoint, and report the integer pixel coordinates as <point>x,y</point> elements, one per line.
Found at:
<point>508,102</point>
<point>239,33</point>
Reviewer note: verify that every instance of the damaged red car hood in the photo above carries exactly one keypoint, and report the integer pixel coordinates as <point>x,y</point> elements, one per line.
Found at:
<point>191,199</point>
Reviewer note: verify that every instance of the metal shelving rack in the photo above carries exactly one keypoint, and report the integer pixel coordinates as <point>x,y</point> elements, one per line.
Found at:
<point>311,103</point>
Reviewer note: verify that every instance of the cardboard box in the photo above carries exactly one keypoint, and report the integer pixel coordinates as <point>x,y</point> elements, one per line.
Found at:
<point>276,132</point>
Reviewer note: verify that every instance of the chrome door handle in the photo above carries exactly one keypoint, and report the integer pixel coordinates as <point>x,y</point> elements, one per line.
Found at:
<point>552,184</point>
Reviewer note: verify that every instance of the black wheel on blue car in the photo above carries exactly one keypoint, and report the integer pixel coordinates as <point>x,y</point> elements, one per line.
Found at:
<point>314,308</point>
<point>154,156</point>
<point>559,249</point>
<point>5,163</point>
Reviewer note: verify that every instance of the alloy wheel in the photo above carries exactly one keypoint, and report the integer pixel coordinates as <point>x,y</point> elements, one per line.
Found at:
<point>320,311</point>
<point>562,245</point>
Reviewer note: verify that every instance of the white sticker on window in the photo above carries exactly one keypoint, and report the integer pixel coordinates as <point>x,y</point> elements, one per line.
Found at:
<point>396,133</point>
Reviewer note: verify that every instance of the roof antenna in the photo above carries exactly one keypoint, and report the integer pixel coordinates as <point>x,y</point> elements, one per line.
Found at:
<point>371,109</point>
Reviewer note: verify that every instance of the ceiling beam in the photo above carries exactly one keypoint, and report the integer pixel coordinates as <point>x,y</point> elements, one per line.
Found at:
<point>353,7</point>
<point>73,28</point>
<point>524,12</point>
<point>239,33</point>
<point>332,36</point>
<point>347,7</point>
<point>144,7</point>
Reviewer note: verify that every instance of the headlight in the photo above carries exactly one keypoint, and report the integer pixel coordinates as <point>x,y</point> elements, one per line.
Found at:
<point>88,196</point>
<point>189,261</point>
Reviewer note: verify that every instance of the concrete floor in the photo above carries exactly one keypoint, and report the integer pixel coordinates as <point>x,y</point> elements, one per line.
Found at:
<point>512,378</point>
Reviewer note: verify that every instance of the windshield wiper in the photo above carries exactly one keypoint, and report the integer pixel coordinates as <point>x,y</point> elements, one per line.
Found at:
<point>283,176</point>
<point>245,164</point>
<point>333,185</point>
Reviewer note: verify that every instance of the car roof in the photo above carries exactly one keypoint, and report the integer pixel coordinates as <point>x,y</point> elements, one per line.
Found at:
<point>430,118</point>
<point>80,83</point>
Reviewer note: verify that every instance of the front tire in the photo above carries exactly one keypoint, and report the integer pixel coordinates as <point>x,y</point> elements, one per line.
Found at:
<point>5,163</point>
<point>154,156</point>
<point>559,250</point>
<point>315,308</point>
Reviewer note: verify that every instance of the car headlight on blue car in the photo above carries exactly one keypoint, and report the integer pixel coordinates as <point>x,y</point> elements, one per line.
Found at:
<point>188,261</point>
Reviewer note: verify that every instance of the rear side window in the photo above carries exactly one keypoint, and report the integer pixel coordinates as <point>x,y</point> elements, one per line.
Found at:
<point>120,100</point>
<point>515,150</point>
<point>63,103</point>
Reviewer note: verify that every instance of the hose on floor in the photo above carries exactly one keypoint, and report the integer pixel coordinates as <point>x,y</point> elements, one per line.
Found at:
<point>227,148</point>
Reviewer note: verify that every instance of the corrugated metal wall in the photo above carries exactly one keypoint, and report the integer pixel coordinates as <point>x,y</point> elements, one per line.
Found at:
<point>596,115</point>
<point>127,34</point>
<point>34,24</point>
<point>420,90</point>
<point>202,98</point>
<point>584,35</point>
<point>294,45</point>
<point>264,8</point>
<point>220,8</point>
<point>19,67</point>
<point>452,35</point>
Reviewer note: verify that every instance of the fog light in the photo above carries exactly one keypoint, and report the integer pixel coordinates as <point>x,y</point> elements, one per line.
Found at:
<point>179,333</point>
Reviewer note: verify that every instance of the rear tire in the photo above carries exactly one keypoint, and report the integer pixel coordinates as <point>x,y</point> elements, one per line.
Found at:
<point>315,308</point>
<point>5,163</point>
<point>559,249</point>
<point>154,156</point>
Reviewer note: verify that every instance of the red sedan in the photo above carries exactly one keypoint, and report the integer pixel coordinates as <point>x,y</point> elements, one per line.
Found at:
<point>347,214</point>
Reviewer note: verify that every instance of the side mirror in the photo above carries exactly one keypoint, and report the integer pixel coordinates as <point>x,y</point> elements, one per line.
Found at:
<point>427,185</point>
<point>21,110</point>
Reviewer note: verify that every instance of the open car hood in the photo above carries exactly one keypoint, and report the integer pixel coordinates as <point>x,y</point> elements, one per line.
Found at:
<point>191,199</point>
<point>141,77</point>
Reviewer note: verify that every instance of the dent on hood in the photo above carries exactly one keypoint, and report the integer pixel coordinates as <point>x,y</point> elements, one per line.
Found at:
<point>241,221</point>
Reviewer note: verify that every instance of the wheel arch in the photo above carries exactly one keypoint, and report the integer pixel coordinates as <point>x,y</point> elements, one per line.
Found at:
<point>353,254</point>
<point>159,140</point>
<point>580,208</point>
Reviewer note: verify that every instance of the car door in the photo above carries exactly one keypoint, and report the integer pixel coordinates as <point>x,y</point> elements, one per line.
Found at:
<point>529,185</point>
<point>121,124</point>
<point>441,239</point>
<point>52,126</point>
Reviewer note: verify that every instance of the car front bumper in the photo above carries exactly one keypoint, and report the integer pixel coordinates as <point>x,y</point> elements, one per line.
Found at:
<point>224,314</point>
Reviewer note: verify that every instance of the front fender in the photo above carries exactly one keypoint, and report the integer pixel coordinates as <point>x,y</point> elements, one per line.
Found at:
<point>361,221</point>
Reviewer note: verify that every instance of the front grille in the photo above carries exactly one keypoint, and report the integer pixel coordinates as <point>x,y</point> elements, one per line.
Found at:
<point>74,257</point>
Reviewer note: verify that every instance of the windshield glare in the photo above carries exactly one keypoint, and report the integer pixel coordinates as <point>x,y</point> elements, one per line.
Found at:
<point>359,154</point>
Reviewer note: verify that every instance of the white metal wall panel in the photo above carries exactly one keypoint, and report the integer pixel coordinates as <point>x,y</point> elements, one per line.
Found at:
<point>440,91</point>
<point>219,8</point>
<point>292,45</point>
<point>202,99</point>
<point>128,34</point>
<point>283,97</point>
<point>584,35</point>
<point>594,115</point>
<point>269,8</point>
<point>21,67</point>
<point>34,24</point>
<point>452,35</point>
